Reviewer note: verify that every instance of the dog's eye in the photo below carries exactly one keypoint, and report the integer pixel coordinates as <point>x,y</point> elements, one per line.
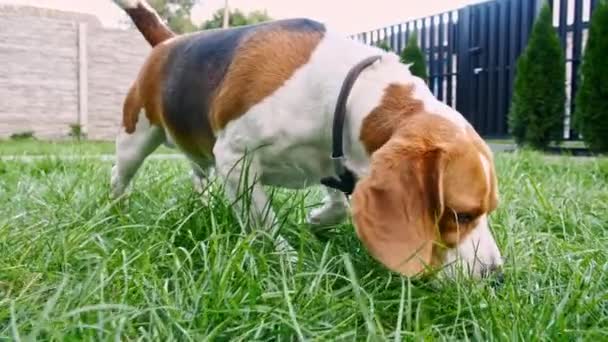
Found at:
<point>464,218</point>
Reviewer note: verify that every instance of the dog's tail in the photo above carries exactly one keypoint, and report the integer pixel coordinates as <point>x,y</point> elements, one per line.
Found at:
<point>147,20</point>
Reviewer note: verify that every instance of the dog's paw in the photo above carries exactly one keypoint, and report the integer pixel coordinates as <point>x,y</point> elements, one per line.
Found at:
<point>117,187</point>
<point>199,184</point>
<point>286,250</point>
<point>327,215</point>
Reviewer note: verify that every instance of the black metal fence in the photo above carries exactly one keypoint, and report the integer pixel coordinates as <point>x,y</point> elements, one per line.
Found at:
<point>472,53</point>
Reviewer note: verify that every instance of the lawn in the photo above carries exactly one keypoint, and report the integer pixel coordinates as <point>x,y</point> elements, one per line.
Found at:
<point>33,147</point>
<point>165,265</point>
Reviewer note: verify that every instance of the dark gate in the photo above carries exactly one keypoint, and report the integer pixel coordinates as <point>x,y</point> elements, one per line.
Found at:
<point>472,54</point>
<point>492,36</point>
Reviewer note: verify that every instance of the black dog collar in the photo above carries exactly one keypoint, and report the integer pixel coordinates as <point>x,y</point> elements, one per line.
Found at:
<point>345,180</point>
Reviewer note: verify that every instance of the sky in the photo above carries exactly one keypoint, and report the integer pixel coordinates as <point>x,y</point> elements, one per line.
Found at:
<point>348,16</point>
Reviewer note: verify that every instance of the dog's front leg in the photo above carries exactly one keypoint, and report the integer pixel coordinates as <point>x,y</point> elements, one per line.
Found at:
<point>199,175</point>
<point>240,173</point>
<point>333,211</point>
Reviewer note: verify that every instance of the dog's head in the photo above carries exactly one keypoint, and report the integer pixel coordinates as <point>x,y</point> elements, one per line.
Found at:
<point>426,200</point>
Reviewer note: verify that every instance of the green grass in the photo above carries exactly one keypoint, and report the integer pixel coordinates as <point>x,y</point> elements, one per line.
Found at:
<point>33,147</point>
<point>164,266</point>
<point>564,144</point>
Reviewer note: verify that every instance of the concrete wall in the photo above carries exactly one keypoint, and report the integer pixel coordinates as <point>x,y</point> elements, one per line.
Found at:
<point>61,68</point>
<point>114,61</point>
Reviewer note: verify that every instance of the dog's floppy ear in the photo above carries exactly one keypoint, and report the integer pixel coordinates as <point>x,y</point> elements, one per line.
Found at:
<point>396,207</point>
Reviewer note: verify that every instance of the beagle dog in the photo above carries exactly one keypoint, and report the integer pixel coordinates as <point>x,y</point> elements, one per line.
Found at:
<point>424,180</point>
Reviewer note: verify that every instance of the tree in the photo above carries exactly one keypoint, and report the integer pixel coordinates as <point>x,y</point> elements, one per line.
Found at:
<point>237,18</point>
<point>412,54</point>
<point>591,117</point>
<point>537,110</point>
<point>176,13</point>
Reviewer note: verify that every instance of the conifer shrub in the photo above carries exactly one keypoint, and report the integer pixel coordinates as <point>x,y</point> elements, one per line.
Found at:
<point>412,54</point>
<point>536,117</point>
<point>591,116</point>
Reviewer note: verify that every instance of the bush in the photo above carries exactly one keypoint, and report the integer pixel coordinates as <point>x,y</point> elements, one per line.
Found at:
<point>591,116</point>
<point>77,132</point>
<point>537,110</point>
<point>412,54</point>
<point>384,46</point>
<point>22,135</point>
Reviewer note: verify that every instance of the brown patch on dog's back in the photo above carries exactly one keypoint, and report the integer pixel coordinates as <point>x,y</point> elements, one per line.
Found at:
<point>261,65</point>
<point>397,104</point>
<point>194,84</point>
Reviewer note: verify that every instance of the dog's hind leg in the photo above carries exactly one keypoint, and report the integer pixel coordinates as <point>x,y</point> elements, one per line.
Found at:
<point>131,150</point>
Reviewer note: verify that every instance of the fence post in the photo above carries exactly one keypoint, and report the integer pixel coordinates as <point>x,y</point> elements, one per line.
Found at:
<point>538,5</point>
<point>463,78</point>
<point>83,106</point>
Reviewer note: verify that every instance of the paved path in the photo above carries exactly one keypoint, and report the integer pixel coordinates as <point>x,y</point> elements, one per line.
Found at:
<point>502,147</point>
